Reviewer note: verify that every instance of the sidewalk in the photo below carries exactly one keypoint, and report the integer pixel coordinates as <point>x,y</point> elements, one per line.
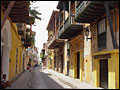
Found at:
<point>74,83</point>
<point>22,82</point>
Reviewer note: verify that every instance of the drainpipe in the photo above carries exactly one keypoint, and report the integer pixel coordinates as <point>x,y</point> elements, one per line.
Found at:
<point>115,46</point>
<point>7,13</point>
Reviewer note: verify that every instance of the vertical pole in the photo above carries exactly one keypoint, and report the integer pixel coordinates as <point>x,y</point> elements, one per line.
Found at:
<point>55,26</point>
<point>115,46</point>
<point>7,13</point>
<point>70,12</point>
<point>75,8</point>
<point>59,21</point>
<point>63,14</point>
<point>115,24</point>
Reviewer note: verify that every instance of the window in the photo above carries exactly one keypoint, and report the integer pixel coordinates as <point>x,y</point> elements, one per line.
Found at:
<point>20,63</point>
<point>68,48</point>
<point>102,34</point>
<point>16,60</point>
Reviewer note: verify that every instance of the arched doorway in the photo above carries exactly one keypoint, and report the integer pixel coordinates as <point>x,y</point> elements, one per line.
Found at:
<point>5,47</point>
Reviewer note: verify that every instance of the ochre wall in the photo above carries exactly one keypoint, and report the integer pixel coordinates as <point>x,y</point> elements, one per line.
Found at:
<point>113,69</point>
<point>76,45</point>
<point>16,43</point>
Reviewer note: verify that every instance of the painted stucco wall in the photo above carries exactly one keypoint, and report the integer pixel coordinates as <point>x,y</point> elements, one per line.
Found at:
<point>113,69</point>
<point>76,45</point>
<point>113,72</point>
<point>16,43</point>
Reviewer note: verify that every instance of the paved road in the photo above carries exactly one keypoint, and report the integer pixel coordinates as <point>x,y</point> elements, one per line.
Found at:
<point>21,82</point>
<point>41,79</point>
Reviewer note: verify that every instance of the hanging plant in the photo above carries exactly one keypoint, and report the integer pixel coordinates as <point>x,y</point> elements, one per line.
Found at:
<point>31,20</point>
<point>33,14</point>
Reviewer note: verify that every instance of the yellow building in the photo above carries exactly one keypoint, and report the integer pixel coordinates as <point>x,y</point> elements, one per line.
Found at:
<point>104,42</point>
<point>12,49</point>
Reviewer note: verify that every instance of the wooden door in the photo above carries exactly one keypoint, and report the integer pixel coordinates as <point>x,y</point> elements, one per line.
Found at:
<point>104,74</point>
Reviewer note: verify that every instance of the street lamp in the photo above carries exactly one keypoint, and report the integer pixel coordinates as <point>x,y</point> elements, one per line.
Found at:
<point>87,33</point>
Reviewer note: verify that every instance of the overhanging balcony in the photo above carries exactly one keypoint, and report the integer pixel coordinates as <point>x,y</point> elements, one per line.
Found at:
<point>88,11</point>
<point>55,42</point>
<point>70,29</point>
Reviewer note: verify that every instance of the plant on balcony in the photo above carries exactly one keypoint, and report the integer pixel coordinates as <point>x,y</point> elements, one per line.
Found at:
<point>34,14</point>
<point>30,40</point>
<point>33,39</point>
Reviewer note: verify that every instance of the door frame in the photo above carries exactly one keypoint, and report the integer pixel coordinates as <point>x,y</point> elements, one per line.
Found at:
<point>100,71</point>
<point>75,63</point>
<point>97,72</point>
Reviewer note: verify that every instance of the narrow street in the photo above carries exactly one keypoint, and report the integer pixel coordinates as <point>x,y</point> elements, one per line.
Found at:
<point>59,44</point>
<point>38,79</point>
<point>41,79</point>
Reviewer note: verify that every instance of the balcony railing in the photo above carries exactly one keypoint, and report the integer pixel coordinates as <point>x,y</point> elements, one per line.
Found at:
<point>80,7</point>
<point>61,30</point>
<point>51,41</point>
<point>67,23</point>
<point>70,28</point>
<point>89,11</point>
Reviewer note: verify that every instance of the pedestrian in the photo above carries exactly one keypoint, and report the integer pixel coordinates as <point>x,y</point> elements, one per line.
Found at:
<point>4,82</point>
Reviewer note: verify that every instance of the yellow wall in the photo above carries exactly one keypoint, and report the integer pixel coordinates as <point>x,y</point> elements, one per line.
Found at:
<point>16,43</point>
<point>75,65</point>
<point>88,71</point>
<point>113,62</point>
<point>76,45</point>
<point>113,69</point>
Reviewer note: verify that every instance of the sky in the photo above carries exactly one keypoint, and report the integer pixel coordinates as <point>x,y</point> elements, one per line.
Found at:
<point>46,8</point>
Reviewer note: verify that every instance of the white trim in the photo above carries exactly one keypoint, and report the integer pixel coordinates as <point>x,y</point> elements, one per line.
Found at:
<point>7,42</point>
<point>7,28</point>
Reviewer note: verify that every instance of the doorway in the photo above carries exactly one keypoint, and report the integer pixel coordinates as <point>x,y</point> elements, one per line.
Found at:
<point>104,73</point>
<point>68,65</point>
<point>78,65</point>
<point>62,63</point>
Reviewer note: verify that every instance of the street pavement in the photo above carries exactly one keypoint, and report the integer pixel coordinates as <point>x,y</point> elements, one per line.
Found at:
<point>22,81</point>
<point>38,78</point>
<point>41,79</point>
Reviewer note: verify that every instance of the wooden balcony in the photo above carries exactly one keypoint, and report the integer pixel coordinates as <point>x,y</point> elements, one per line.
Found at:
<point>70,29</point>
<point>55,42</point>
<point>88,11</point>
<point>19,12</point>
